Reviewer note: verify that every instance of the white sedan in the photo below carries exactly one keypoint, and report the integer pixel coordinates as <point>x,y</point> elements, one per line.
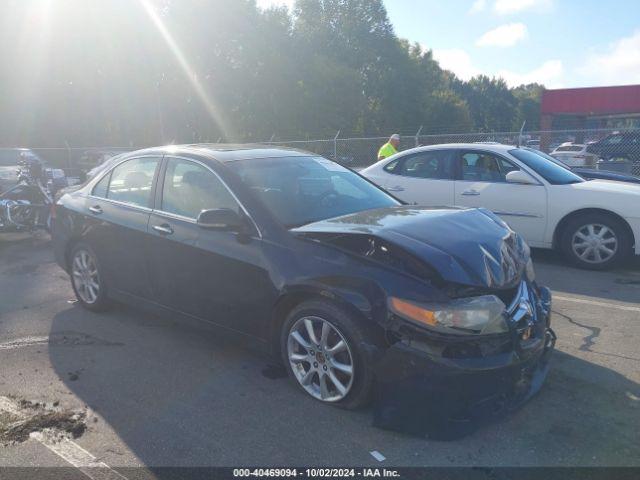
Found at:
<point>596,223</point>
<point>574,155</point>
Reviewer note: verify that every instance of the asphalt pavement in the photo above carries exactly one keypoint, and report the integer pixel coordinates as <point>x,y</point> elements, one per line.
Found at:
<point>154,391</point>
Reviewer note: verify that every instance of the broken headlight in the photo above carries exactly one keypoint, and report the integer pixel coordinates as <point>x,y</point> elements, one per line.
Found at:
<point>474,315</point>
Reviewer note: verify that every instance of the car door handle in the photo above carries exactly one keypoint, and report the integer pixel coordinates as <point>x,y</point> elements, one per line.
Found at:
<point>164,229</point>
<point>470,193</point>
<point>397,188</point>
<point>96,209</point>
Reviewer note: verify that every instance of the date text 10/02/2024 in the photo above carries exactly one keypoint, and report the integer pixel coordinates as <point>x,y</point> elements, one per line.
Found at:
<point>316,472</point>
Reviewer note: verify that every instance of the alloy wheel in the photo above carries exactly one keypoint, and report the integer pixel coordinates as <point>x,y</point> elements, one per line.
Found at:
<point>320,359</point>
<point>85,276</point>
<point>594,243</point>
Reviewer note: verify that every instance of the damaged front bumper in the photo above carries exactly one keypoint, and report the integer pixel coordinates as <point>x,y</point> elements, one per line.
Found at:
<point>446,388</point>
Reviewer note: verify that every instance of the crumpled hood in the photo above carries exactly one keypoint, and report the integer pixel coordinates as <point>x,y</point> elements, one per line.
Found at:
<point>465,246</point>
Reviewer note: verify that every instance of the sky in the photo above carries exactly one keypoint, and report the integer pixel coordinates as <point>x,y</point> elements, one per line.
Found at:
<point>559,43</point>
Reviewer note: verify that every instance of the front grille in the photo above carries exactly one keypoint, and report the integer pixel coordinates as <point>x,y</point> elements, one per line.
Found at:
<point>522,311</point>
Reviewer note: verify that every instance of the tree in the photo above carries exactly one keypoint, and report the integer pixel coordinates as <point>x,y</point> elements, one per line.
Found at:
<point>528,107</point>
<point>142,72</point>
<point>492,104</point>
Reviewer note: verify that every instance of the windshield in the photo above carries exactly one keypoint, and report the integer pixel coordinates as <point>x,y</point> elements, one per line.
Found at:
<point>545,166</point>
<point>301,190</point>
<point>555,160</point>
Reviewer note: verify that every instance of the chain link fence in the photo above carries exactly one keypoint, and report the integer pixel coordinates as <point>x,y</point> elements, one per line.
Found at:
<point>607,149</point>
<point>602,148</point>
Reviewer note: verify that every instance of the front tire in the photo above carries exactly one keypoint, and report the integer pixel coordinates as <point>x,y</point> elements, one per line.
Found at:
<point>322,349</point>
<point>87,280</point>
<point>595,241</point>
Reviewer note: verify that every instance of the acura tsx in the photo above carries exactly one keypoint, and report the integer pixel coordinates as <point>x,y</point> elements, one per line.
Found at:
<point>434,313</point>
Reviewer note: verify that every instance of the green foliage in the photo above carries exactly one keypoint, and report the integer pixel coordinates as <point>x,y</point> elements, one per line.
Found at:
<point>142,72</point>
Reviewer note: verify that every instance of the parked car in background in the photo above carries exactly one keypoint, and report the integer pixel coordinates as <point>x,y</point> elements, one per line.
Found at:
<point>10,164</point>
<point>574,155</point>
<point>534,143</point>
<point>594,173</point>
<point>436,308</point>
<point>595,223</point>
<point>619,146</point>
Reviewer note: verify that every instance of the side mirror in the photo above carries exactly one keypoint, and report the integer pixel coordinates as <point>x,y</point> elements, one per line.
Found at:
<point>223,219</point>
<point>518,176</point>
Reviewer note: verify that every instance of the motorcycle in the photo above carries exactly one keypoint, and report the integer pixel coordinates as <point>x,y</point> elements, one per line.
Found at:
<point>29,204</point>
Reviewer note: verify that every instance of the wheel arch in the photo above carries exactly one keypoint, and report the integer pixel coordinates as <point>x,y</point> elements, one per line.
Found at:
<point>561,225</point>
<point>354,303</point>
<point>68,249</point>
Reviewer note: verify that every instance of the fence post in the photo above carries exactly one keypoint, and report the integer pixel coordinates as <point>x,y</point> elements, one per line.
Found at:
<point>520,134</point>
<point>418,136</point>
<point>335,146</point>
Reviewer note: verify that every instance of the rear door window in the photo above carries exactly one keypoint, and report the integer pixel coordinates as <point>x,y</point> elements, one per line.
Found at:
<point>435,165</point>
<point>100,189</point>
<point>131,181</point>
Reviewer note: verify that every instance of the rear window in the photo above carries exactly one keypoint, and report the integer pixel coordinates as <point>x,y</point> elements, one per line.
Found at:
<point>570,148</point>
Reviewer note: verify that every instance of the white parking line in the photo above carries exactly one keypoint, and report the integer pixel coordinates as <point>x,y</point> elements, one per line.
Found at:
<point>377,455</point>
<point>24,342</point>
<point>78,457</point>
<point>67,449</point>
<point>617,306</point>
<point>8,406</point>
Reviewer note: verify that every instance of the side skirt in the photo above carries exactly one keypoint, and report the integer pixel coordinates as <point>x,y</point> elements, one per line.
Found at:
<point>242,339</point>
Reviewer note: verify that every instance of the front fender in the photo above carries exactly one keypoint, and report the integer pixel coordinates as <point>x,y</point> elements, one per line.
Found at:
<point>362,298</point>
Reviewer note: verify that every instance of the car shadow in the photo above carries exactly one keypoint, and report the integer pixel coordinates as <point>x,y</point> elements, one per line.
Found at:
<point>179,395</point>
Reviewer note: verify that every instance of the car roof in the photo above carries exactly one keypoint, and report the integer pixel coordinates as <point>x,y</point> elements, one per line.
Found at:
<point>495,147</point>
<point>225,152</point>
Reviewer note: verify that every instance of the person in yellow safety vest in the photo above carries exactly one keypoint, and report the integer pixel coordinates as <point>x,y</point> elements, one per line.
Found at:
<point>389,148</point>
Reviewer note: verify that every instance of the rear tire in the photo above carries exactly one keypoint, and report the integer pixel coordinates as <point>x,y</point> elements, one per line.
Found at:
<point>595,241</point>
<point>320,367</point>
<point>87,279</point>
